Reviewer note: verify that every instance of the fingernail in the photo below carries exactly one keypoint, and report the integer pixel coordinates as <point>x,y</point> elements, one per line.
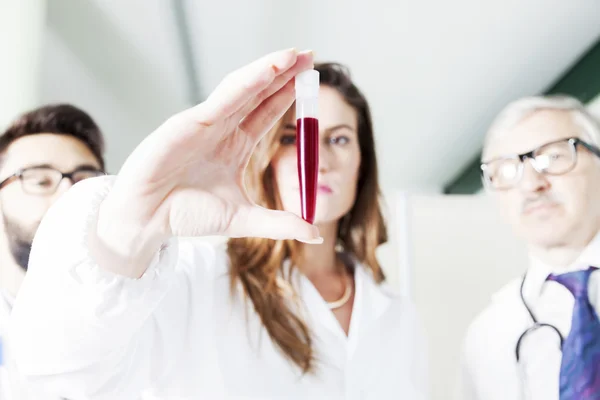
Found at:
<point>318,240</point>
<point>292,49</point>
<point>307,52</point>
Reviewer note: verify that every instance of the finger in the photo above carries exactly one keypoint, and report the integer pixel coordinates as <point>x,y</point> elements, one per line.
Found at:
<point>255,221</point>
<point>304,62</point>
<point>240,86</point>
<point>259,121</point>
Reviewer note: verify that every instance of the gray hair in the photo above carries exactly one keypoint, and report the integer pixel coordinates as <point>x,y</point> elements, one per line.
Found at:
<point>520,109</point>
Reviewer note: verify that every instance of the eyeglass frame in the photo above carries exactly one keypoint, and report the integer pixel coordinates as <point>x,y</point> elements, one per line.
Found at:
<point>68,175</point>
<point>573,142</point>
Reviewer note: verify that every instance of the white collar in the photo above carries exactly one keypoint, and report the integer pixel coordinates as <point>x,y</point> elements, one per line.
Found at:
<point>371,299</point>
<point>7,298</point>
<point>539,271</point>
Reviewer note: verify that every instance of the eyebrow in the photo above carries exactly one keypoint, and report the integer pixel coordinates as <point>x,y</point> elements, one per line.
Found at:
<point>334,128</point>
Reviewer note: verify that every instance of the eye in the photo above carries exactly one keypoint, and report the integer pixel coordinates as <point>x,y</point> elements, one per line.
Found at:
<point>287,140</point>
<point>341,140</point>
<point>42,182</point>
<point>85,174</point>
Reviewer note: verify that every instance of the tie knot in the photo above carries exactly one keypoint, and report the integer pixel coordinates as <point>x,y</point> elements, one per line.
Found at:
<point>576,282</point>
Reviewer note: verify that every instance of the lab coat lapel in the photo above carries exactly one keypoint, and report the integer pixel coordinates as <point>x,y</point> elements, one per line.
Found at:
<point>314,309</point>
<point>509,299</point>
<point>371,301</point>
<point>513,321</point>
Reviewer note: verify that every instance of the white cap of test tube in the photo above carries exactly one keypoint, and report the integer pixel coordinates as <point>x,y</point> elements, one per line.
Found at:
<point>307,84</point>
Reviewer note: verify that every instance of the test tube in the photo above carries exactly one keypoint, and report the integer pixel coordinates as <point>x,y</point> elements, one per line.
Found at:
<point>307,140</point>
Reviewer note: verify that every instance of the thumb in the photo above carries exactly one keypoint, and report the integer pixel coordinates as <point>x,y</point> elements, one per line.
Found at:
<point>255,221</point>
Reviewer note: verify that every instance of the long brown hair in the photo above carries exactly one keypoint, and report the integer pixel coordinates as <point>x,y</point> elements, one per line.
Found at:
<point>256,263</point>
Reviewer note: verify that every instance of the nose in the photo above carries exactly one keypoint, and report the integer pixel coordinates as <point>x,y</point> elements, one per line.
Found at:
<point>64,185</point>
<point>533,181</point>
<point>324,158</point>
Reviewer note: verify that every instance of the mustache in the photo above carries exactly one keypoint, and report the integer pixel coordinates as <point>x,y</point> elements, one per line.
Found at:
<point>544,199</point>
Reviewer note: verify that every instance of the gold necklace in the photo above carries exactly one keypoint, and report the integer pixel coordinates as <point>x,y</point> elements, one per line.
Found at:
<point>344,299</point>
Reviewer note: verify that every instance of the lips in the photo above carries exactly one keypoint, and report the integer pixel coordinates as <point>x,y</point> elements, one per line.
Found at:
<point>539,207</point>
<point>324,189</point>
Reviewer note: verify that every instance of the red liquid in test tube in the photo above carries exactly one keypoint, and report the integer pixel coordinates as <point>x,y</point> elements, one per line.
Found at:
<point>307,140</point>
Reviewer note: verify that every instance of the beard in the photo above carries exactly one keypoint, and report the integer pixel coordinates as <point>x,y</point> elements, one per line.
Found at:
<point>19,241</point>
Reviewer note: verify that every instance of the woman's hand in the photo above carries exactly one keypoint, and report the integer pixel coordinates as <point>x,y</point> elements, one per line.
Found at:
<point>186,178</point>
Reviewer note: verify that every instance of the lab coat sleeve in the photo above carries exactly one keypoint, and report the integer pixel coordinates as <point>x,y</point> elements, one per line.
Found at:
<point>82,332</point>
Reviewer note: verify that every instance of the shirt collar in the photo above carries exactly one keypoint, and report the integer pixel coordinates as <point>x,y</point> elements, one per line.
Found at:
<point>7,298</point>
<point>371,299</point>
<point>539,271</point>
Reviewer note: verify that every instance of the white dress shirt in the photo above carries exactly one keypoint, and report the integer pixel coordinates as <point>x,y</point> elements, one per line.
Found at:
<point>179,333</point>
<point>490,368</point>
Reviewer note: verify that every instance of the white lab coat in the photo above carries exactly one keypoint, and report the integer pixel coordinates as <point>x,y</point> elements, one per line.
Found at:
<point>176,333</point>
<point>12,386</point>
<point>6,388</point>
<point>490,368</point>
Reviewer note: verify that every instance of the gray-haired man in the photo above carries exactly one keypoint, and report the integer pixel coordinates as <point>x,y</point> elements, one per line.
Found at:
<point>540,336</point>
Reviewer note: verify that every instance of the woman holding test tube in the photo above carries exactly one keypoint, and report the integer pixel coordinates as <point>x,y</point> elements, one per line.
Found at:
<point>123,301</point>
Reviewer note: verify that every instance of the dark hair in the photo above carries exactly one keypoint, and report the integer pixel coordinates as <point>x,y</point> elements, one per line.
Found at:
<point>256,263</point>
<point>60,119</point>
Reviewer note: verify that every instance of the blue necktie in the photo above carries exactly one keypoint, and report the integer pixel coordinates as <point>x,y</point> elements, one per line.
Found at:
<point>580,366</point>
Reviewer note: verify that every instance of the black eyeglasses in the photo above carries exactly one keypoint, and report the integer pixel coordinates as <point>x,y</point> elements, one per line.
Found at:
<point>44,181</point>
<point>555,158</point>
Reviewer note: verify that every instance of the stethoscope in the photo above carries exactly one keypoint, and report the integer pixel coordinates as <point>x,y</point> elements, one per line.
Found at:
<point>535,327</point>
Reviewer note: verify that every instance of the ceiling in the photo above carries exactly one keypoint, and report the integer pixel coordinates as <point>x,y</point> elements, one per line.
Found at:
<point>435,72</point>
